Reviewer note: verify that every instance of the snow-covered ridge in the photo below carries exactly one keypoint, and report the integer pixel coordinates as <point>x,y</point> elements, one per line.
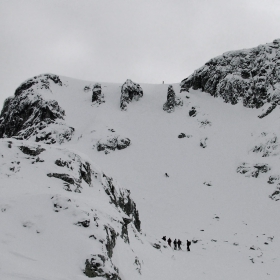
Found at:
<point>249,75</point>
<point>69,192</point>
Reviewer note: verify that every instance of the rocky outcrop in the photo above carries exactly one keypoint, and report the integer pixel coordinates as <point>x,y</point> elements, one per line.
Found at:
<point>101,266</point>
<point>250,75</point>
<point>276,194</point>
<point>122,199</point>
<point>268,111</point>
<point>97,95</point>
<point>203,143</point>
<point>267,144</point>
<point>193,112</point>
<point>172,101</point>
<point>273,179</point>
<point>252,170</point>
<point>28,116</point>
<point>111,143</point>
<point>38,82</point>
<point>32,151</point>
<point>130,91</point>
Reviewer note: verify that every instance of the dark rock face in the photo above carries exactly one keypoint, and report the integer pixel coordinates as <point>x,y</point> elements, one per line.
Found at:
<point>172,101</point>
<point>42,81</point>
<point>85,223</point>
<point>32,151</point>
<point>268,111</point>
<point>123,200</point>
<point>101,266</point>
<point>248,75</point>
<point>252,170</point>
<point>64,177</point>
<point>110,240</point>
<point>77,165</point>
<point>130,91</point>
<point>97,95</point>
<point>193,112</point>
<point>27,115</point>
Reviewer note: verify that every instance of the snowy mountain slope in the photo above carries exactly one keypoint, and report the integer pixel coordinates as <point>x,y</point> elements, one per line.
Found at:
<point>228,214</point>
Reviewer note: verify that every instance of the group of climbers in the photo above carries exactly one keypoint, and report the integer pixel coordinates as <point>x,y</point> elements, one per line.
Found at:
<point>177,244</point>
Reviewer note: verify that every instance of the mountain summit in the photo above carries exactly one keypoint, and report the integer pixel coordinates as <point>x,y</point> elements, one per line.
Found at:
<point>250,75</point>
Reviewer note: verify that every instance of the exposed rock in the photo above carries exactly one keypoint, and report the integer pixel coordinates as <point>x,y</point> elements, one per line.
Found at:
<point>138,265</point>
<point>268,111</point>
<point>28,116</point>
<point>32,151</point>
<point>193,112</point>
<point>172,101</point>
<point>101,266</point>
<point>122,199</point>
<point>87,88</point>
<point>110,240</point>
<point>273,178</point>
<point>124,234</point>
<point>85,223</point>
<point>112,143</point>
<point>130,91</point>
<point>203,142</point>
<point>65,177</point>
<point>205,123</point>
<point>157,246</point>
<point>275,195</point>
<point>41,82</point>
<point>182,135</point>
<point>104,224</point>
<point>85,172</point>
<point>250,75</point>
<point>97,95</point>
<point>252,170</point>
<point>267,144</point>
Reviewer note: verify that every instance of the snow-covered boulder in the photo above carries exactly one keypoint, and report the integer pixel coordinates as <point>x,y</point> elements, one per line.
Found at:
<point>172,100</point>
<point>130,91</point>
<point>97,95</point>
<point>249,75</point>
<point>112,143</point>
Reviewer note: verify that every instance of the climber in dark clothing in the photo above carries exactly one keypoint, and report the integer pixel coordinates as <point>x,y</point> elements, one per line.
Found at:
<point>179,244</point>
<point>188,245</point>
<point>169,241</point>
<point>175,244</point>
<point>164,238</point>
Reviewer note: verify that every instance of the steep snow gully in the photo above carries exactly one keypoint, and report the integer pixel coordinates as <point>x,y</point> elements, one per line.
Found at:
<point>93,175</point>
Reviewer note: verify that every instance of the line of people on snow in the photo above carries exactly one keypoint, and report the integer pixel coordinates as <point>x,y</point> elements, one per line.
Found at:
<point>177,244</point>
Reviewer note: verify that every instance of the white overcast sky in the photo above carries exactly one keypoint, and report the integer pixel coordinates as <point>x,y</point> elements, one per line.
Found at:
<point>112,40</point>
